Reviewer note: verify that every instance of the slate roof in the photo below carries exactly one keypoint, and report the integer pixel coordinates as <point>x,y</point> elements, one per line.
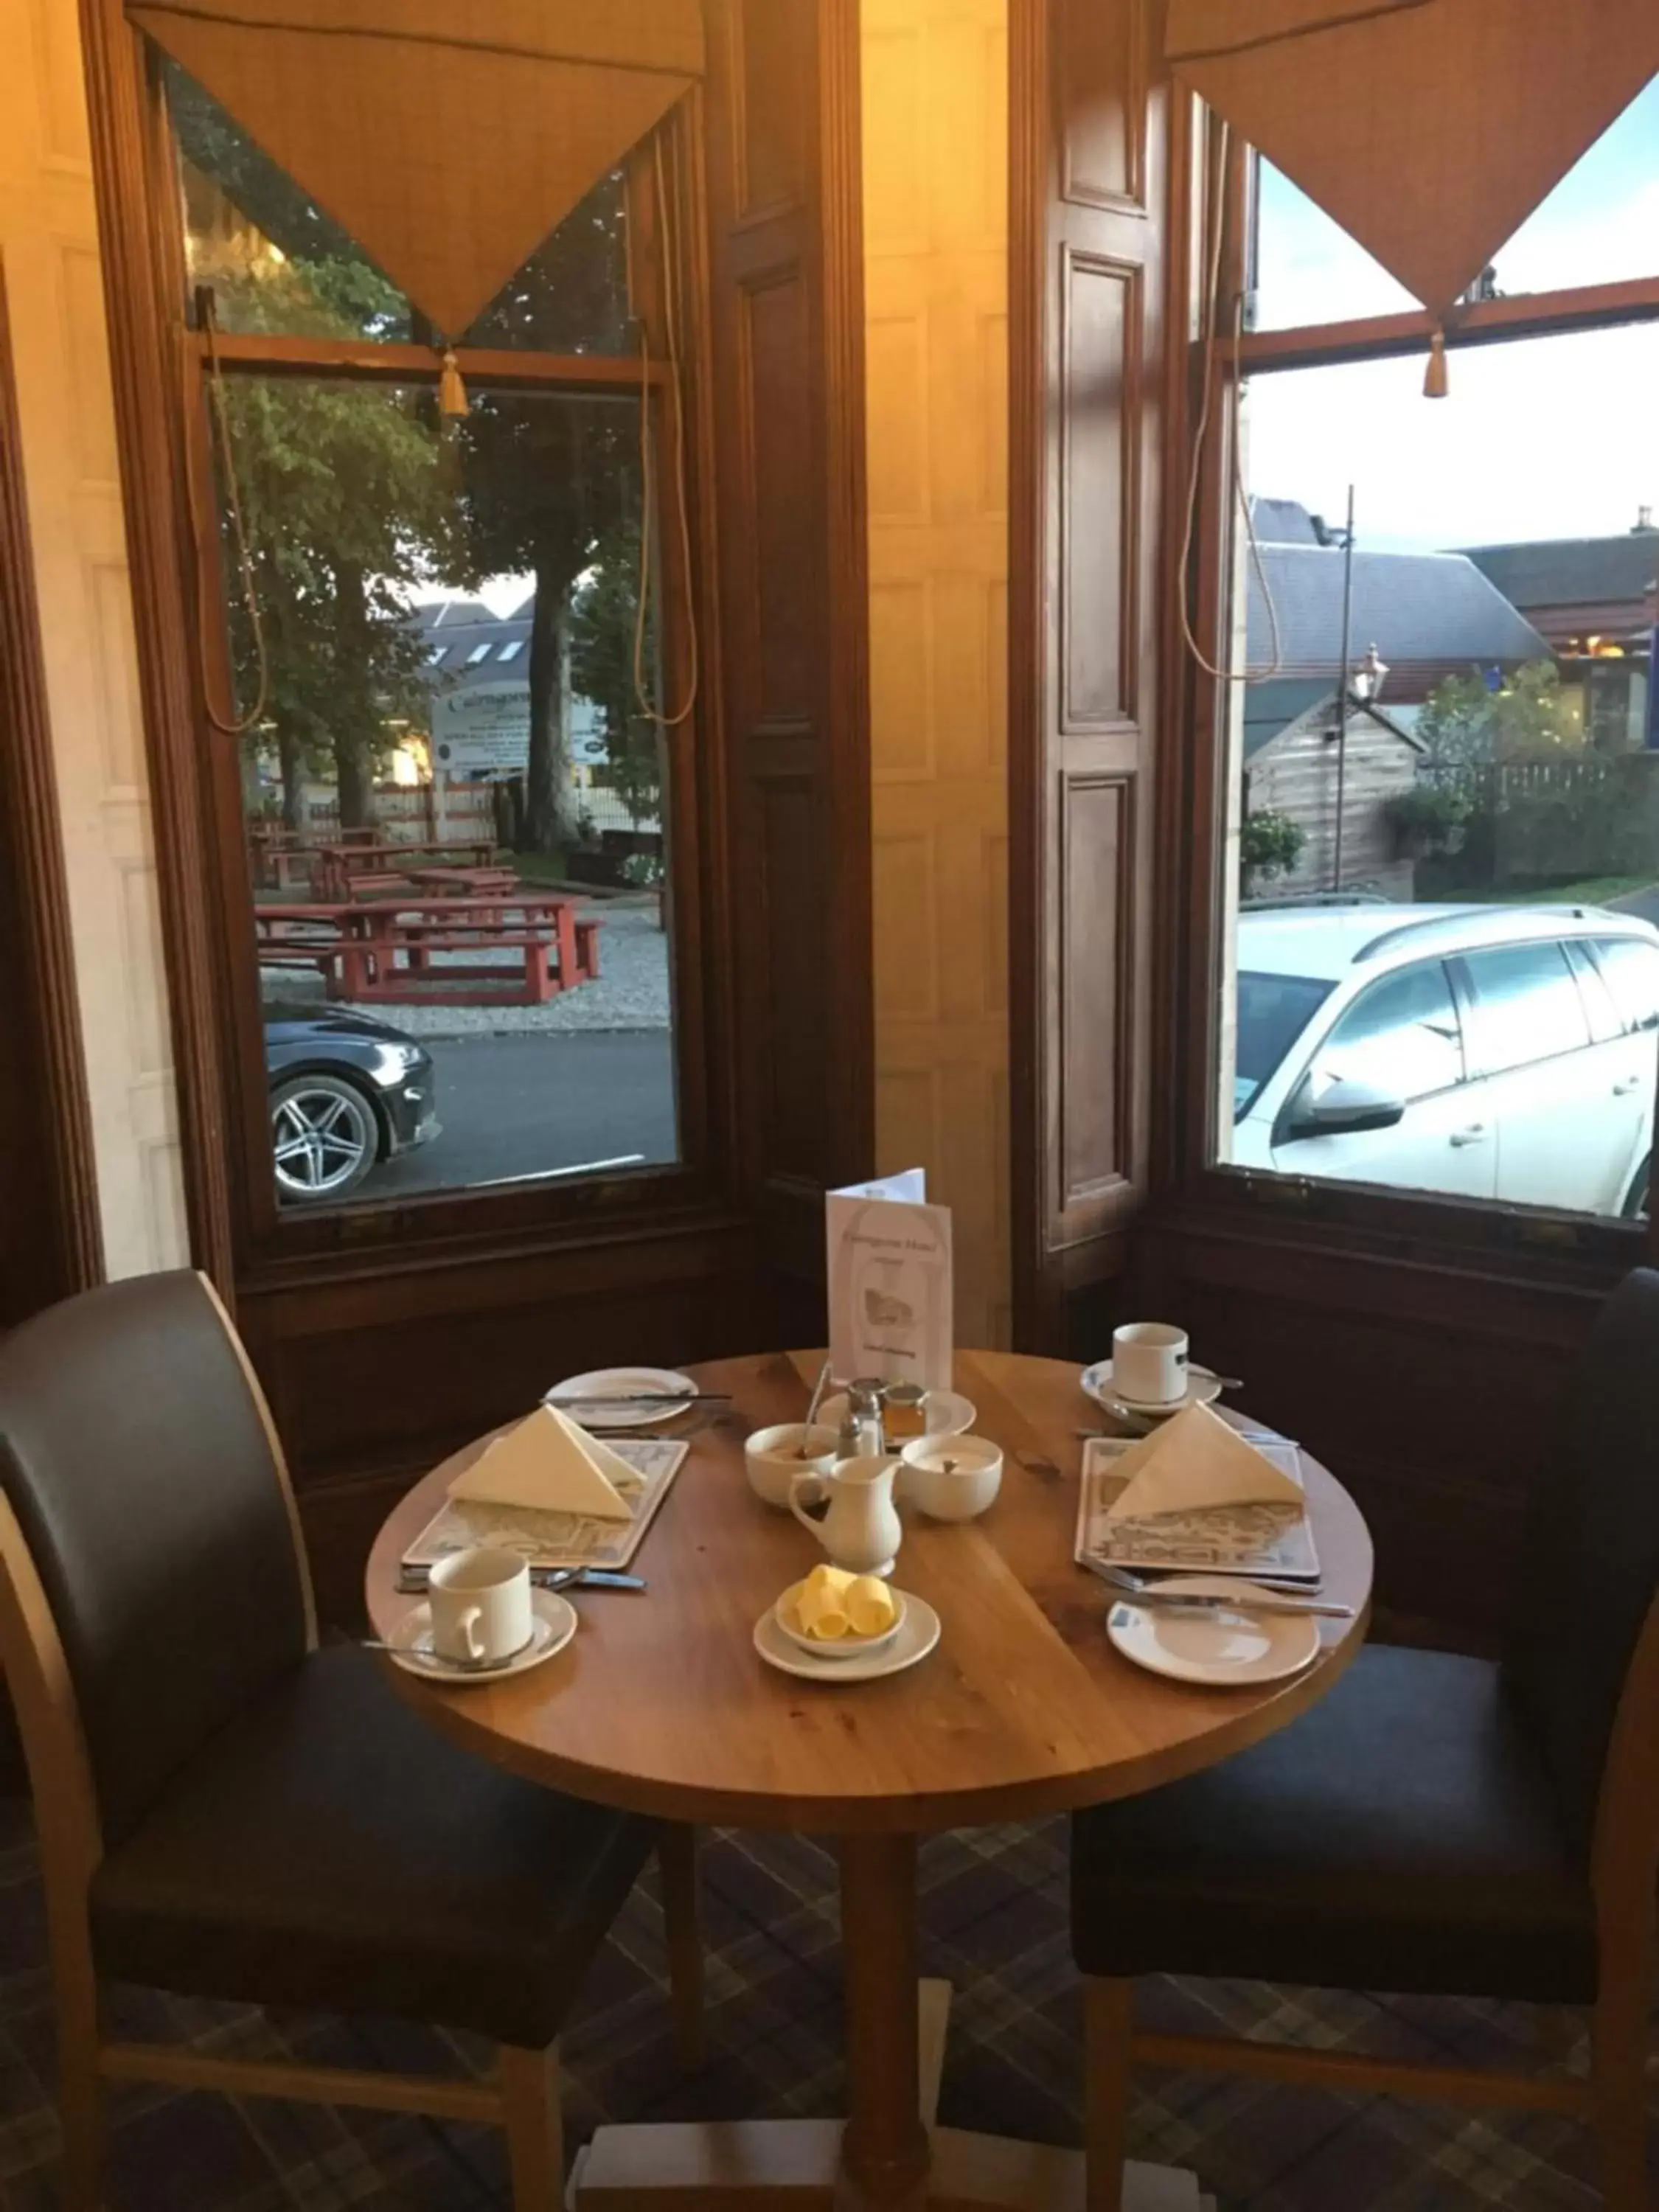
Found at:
<point>454,630</point>
<point>1568,572</point>
<point>1426,610</point>
<point>1273,709</point>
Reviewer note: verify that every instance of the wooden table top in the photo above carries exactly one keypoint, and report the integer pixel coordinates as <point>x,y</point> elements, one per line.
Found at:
<point>661,1705</point>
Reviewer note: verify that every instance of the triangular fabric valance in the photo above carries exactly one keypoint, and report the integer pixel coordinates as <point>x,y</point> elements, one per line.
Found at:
<point>1430,129</point>
<point>448,137</point>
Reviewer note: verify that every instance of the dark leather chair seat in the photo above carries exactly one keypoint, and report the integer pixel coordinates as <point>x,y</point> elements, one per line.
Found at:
<point>328,1850</point>
<point>1401,1836</point>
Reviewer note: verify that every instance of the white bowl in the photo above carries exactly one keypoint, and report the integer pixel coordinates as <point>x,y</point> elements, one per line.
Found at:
<point>772,1458</point>
<point>967,1489</point>
<point>846,1647</point>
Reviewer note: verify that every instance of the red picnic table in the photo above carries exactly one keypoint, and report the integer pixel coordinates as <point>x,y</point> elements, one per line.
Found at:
<point>385,862</point>
<point>383,954</point>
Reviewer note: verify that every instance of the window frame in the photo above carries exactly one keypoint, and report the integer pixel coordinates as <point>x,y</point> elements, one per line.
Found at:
<point>698,1186</point>
<point>1218,178</point>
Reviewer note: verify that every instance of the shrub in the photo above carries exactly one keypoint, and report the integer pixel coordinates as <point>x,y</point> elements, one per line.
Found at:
<point>1270,844</point>
<point>1428,821</point>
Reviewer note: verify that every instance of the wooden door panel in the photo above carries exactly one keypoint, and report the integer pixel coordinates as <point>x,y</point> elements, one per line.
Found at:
<point>1088,224</point>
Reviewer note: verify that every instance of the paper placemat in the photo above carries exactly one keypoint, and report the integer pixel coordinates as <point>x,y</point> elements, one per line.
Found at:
<point>1215,1540</point>
<point>560,1539</point>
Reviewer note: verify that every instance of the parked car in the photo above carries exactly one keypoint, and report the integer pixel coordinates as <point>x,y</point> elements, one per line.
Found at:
<point>1492,1052</point>
<point>347,1093</point>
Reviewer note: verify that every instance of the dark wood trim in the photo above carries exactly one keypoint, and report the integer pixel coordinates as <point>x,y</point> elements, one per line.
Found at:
<point>47,1064</point>
<point>1029,185</point>
<point>1484,322</point>
<point>418,364</point>
<point>152,475</point>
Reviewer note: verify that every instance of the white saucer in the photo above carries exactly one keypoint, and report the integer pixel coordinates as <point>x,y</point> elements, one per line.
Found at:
<point>947,1412</point>
<point>1231,1647</point>
<point>411,1644</point>
<point>624,1385</point>
<point>1203,1387</point>
<point>918,1632</point>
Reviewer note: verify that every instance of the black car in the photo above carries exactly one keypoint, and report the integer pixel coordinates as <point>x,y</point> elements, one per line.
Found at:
<point>346,1092</point>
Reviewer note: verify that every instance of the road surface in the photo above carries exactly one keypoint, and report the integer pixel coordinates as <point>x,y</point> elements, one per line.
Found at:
<point>516,1108</point>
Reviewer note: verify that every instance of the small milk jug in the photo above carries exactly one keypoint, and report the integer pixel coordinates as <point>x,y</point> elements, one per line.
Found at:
<point>862,1530</point>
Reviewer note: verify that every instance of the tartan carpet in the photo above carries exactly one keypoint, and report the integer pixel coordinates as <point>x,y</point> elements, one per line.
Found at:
<point>995,1925</point>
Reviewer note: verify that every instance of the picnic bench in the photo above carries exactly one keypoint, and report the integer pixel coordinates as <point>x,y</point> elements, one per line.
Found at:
<point>385,954</point>
<point>343,864</point>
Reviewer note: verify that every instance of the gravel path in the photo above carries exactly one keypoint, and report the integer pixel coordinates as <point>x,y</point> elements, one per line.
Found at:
<point>631,993</point>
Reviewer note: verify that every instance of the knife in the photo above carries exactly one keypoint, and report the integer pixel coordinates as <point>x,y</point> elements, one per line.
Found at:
<point>1198,1601</point>
<point>413,1581</point>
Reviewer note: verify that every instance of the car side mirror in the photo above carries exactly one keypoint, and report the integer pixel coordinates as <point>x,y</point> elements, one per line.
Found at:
<point>1346,1109</point>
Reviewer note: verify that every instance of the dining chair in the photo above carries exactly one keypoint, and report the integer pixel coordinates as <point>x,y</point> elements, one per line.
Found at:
<point>1437,1826</point>
<point>227,1809</point>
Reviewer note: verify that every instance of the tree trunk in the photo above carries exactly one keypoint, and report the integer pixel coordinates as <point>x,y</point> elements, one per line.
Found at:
<point>354,736</point>
<point>550,809</point>
<point>291,761</point>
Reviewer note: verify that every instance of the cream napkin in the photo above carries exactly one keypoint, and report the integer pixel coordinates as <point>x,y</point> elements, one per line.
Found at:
<point>548,1464</point>
<point>1194,1460</point>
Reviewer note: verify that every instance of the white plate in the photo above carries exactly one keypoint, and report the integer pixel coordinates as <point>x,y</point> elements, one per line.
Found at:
<point>918,1632</point>
<point>1231,1647</point>
<point>411,1644</point>
<point>947,1412</point>
<point>852,1647</point>
<point>618,1383</point>
<point>1203,1386</point>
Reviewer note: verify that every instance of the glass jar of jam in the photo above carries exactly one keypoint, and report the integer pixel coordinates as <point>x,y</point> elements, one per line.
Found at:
<point>904,1412</point>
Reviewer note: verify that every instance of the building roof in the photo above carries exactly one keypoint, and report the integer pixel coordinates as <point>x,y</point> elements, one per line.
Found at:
<point>1433,613</point>
<point>1283,522</point>
<point>1274,709</point>
<point>1567,572</point>
<point>464,638</point>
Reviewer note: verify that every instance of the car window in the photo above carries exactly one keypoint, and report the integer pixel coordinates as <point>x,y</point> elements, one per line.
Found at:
<point>1402,1037</point>
<point>1606,1022</point>
<point>1632,970</point>
<point>1530,1007</point>
<point>1272,1013</point>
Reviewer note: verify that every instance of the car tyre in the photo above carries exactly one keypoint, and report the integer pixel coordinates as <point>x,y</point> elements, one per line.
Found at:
<point>324,1139</point>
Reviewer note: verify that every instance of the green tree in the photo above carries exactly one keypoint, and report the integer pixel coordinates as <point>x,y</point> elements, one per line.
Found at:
<point>1528,718</point>
<point>604,623</point>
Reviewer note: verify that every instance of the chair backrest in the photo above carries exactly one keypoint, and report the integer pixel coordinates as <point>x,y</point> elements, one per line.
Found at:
<point>137,1456</point>
<point>1591,1567</point>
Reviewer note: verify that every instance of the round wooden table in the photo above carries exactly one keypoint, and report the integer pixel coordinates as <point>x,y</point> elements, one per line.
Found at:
<point>661,1705</point>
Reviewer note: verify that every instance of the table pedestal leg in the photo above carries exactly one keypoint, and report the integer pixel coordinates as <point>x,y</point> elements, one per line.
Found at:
<point>883,2155</point>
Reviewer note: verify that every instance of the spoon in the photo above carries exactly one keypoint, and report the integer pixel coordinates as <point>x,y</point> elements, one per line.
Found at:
<point>804,1450</point>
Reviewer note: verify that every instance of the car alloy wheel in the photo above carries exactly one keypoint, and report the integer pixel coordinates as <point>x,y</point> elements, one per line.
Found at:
<point>324,1137</point>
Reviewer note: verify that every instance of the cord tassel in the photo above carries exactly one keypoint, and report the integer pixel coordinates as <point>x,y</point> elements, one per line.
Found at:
<point>1436,382</point>
<point>452,389</point>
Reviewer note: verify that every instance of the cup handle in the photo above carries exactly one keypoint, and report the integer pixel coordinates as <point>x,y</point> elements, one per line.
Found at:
<point>798,1483</point>
<point>468,1625</point>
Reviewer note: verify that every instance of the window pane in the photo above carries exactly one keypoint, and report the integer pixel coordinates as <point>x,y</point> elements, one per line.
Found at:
<point>277,262</point>
<point>1633,975</point>
<point>1402,1038</point>
<point>457,861</point>
<point>1527,1006</point>
<point>1598,226</point>
<point>1273,1010</point>
<point>1491,790</point>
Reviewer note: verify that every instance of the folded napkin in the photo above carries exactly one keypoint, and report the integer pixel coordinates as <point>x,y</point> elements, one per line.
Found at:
<point>833,1604</point>
<point>548,1464</point>
<point>1193,1462</point>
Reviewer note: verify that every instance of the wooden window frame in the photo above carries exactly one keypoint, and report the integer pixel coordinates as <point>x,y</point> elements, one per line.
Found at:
<point>1488,1236</point>
<point>271,1242</point>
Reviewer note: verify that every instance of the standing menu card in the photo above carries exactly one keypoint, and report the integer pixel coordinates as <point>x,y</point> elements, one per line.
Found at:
<point>890,1283</point>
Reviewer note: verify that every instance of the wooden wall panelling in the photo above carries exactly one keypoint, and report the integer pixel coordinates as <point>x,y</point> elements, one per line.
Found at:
<point>1089,163</point>
<point>50,1236</point>
<point>787,306</point>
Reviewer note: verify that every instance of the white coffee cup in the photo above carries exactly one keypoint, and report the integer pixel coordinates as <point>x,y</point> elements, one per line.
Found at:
<point>951,1478</point>
<point>1149,1363</point>
<point>481,1609</point>
<point>774,1457</point>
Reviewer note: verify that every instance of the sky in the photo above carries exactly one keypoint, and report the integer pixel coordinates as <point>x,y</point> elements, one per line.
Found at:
<point>1547,438</point>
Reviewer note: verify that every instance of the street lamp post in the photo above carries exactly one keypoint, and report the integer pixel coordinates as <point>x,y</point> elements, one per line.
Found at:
<point>1342,695</point>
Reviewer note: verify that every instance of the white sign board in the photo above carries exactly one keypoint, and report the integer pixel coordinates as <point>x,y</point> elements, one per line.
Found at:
<point>484,729</point>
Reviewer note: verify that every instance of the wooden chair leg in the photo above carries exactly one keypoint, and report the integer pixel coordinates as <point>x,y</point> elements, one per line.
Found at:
<point>535,2129</point>
<point>1109,2026</point>
<point>1619,2045</point>
<point>677,1864</point>
<point>80,2088</point>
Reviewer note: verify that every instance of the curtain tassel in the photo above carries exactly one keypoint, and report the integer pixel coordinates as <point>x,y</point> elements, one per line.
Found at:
<point>451,388</point>
<point>1436,382</point>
